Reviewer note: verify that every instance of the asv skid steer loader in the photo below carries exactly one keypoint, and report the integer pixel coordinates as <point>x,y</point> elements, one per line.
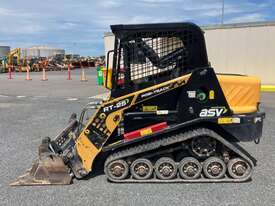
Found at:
<point>169,117</point>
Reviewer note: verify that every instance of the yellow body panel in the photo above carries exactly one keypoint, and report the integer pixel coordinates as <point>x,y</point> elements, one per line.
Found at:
<point>110,123</point>
<point>241,92</point>
<point>86,150</point>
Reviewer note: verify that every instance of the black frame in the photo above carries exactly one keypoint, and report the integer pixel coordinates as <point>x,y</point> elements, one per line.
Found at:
<point>127,33</point>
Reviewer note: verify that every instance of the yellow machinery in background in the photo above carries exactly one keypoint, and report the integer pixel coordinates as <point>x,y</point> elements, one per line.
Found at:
<point>14,53</point>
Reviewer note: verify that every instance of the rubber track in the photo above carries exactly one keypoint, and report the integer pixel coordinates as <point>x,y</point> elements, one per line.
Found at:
<point>165,141</point>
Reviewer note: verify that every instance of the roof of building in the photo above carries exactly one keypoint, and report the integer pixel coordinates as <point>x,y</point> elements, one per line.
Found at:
<point>226,26</point>
<point>239,25</point>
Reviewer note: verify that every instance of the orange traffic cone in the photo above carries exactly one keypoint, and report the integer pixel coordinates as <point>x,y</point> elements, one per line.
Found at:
<point>44,77</point>
<point>69,72</point>
<point>9,76</point>
<point>83,76</point>
<point>28,76</point>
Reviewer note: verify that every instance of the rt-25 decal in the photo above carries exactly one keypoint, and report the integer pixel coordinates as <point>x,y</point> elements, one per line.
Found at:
<point>116,105</point>
<point>213,112</point>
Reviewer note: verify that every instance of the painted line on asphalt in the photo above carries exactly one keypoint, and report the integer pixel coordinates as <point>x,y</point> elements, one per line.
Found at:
<point>100,96</point>
<point>40,96</point>
<point>72,99</point>
<point>3,95</point>
<point>20,96</point>
<point>268,88</point>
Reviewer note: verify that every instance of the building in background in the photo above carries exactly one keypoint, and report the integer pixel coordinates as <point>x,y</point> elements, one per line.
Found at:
<point>41,51</point>
<point>244,48</point>
<point>4,51</point>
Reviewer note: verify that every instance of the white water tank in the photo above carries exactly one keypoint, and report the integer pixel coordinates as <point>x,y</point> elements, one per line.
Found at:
<point>42,51</point>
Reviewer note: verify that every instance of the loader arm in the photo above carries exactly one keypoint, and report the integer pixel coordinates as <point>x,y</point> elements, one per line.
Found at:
<point>106,119</point>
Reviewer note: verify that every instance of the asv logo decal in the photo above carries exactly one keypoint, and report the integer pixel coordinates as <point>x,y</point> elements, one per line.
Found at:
<point>213,112</point>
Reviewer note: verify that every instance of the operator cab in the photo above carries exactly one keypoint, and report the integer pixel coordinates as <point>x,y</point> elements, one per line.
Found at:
<point>149,54</point>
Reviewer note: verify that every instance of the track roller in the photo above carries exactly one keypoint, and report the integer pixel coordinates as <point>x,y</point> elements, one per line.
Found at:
<point>141,169</point>
<point>117,170</point>
<point>165,168</point>
<point>214,168</point>
<point>238,168</point>
<point>190,168</point>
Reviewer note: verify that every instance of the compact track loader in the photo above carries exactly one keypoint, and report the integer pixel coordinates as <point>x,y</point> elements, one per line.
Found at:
<point>169,117</point>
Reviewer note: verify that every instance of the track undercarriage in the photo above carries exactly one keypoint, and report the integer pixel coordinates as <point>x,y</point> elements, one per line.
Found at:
<point>181,158</point>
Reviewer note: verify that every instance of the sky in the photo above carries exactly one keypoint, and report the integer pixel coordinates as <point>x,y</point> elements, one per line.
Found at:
<point>78,26</point>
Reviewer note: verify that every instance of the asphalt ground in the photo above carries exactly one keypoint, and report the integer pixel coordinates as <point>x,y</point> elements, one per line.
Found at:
<point>56,86</point>
<point>30,110</point>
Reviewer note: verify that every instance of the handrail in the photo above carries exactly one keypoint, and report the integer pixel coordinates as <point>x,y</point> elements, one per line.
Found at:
<point>107,68</point>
